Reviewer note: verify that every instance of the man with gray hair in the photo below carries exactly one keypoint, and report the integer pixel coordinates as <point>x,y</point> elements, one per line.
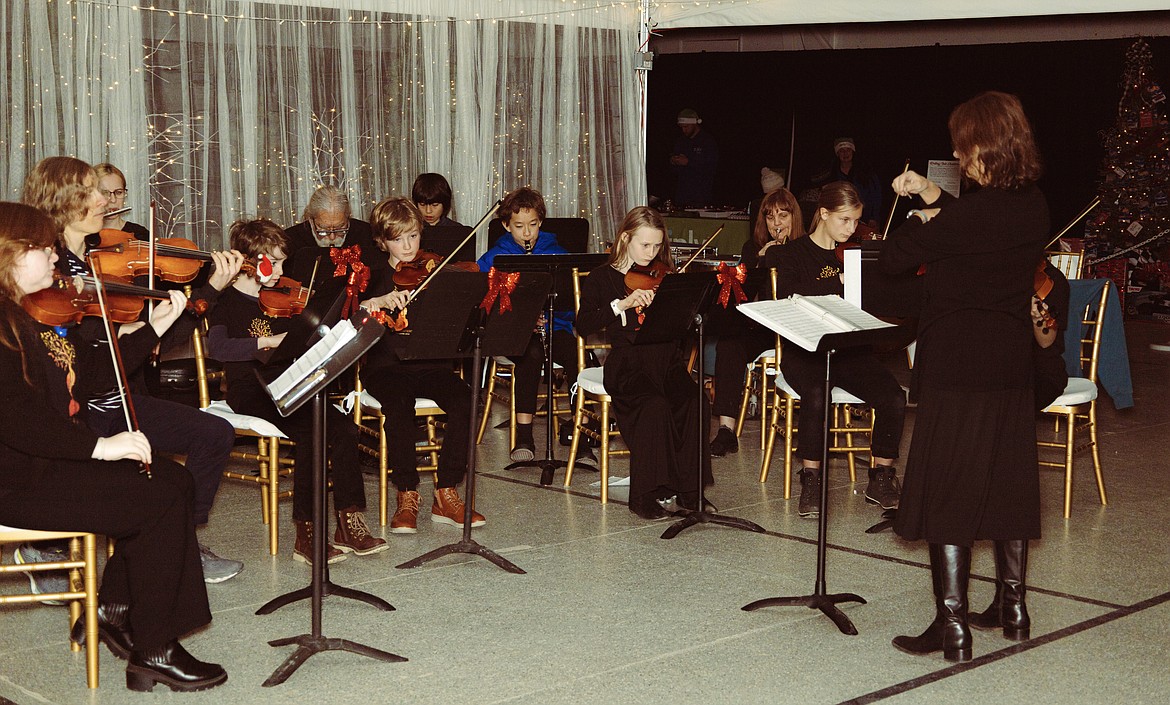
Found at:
<point>327,223</point>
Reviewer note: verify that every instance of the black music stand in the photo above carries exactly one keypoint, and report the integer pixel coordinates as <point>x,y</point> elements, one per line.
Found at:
<point>821,599</point>
<point>449,323</point>
<point>680,306</point>
<point>560,298</point>
<point>442,240</point>
<point>314,380</point>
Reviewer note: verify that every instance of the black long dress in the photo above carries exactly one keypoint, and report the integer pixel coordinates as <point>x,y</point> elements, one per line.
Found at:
<point>654,398</point>
<point>971,472</point>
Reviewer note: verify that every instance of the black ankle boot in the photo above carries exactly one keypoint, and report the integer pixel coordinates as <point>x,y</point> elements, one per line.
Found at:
<point>950,568</point>
<point>113,620</point>
<point>1008,609</point>
<point>172,666</point>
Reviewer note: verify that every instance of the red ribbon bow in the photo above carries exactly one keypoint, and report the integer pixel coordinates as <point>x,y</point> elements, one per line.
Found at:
<point>730,278</point>
<point>359,274</point>
<point>501,285</point>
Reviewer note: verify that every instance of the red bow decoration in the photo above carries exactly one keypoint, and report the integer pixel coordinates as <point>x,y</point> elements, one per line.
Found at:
<point>501,285</point>
<point>359,274</point>
<point>730,278</point>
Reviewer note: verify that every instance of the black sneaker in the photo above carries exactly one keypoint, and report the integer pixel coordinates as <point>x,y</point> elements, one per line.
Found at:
<point>810,493</point>
<point>45,582</point>
<point>723,443</point>
<point>883,488</point>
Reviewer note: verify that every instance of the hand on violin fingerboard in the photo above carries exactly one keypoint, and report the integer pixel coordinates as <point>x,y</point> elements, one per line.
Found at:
<point>395,300</point>
<point>639,297</point>
<point>227,268</point>
<point>167,312</point>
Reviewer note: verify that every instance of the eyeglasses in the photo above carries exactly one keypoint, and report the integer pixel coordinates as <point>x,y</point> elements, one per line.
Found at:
<point>116,193</point>
<point>332,231</point>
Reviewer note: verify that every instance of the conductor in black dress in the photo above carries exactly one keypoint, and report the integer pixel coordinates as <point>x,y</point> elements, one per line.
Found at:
<point>972,472</point>
<point>654,397</point>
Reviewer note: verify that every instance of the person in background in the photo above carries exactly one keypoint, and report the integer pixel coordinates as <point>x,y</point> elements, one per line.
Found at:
<point>846,167</point>
<point>694,158</point>
<point>432,194</point>
<point>325,235</point>
<point>112,184</point>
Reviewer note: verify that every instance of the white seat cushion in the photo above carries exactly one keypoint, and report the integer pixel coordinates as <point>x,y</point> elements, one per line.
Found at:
<point>1078,391</point>
<point>241,422</point>
<point>592,380</point>
<point>840,396</point>
<point>369,402</point>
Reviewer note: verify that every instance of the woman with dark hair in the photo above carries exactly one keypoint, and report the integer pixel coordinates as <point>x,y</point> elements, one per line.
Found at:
<point>56,474</point>
<point>740,339</point>
<point>809,266</point>
<point>654,397</point>
<point>972,472</point>
<point>432,194</point>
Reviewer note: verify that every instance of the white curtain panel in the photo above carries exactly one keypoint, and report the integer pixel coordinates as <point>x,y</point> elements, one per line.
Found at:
<point>217,110</point>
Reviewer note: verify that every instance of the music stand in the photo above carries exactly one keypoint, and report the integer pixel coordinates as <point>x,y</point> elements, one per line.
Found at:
<point>442,240</point>
<point>681,305</point>
<point>821,599</point>
<point>312,383</point>
<point>449,323</point>
<point>560,298</point>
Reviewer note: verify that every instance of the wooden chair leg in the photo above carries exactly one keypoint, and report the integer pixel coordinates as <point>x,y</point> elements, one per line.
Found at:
<point>603,465</point>
<point>769,432</point>
<point>273,497</point>
<point>1096,454</point>
<point>1070,443</point>
<point>578,415</point>
<point>487,403</point>
<point>789,412</point>
<point>89,555</point>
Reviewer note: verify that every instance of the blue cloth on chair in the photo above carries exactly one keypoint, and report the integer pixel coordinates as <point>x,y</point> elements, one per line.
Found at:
<point>1113,357</point>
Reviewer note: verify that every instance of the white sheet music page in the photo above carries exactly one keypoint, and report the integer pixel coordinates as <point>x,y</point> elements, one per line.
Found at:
<point>804,320</point>
<point>314,357</point>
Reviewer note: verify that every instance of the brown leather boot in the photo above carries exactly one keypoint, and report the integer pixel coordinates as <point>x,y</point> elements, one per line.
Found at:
<point>448,509</point>
<point>405,519</point>
<point>303,548</point>
<point>353,534</point>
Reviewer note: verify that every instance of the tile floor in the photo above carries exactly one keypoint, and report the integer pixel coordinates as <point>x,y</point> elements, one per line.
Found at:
<point>607,612</point>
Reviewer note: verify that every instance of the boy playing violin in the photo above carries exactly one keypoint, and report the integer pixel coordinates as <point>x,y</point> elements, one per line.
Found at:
<point>397,225</point>
<point>521,212</point>
<point>240,329</point>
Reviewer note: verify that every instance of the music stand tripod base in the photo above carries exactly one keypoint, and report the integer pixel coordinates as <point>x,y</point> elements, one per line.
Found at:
<point>827,604</point>
<point>308,645</point>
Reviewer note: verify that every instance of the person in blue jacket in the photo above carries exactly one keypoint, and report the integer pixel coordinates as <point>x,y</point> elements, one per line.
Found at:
<point>521,212</point>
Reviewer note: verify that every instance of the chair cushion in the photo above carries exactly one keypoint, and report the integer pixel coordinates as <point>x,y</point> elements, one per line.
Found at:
<point>591,380</point>
<point>840,396</point>
<point>241,422</point>
<point>1078,391</point>
<point>369,402</point>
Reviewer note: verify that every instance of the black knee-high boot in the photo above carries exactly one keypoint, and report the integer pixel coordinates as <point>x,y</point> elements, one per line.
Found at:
<point>1008,609</point>
<point>950,567</point>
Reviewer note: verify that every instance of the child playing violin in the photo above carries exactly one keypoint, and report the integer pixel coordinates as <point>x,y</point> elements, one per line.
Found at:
<point>240,329</point>
<point>397,226</point>
<point>56,473</point>
<point>521,212</point>
<point>67,190</point>
<point>654,397</point>
<point>809,266</point>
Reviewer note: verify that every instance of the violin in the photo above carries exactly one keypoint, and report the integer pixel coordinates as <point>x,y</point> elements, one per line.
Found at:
<point>176,259</point>
<point>409,275</point>
<point>287,298</point>
<point>69,299</point>
<point>1042,286</point>
<point>646,277</point>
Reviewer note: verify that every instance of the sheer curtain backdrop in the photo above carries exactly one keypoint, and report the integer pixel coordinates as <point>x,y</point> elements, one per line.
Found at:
<point>216,109</point>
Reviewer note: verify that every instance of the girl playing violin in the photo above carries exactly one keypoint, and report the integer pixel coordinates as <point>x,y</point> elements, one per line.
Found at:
<point>56,473</point>
<point>809,266</point>
<point>741,340</point>
<point>397,226</point>
<point>67,190</point>
<point>654,397</point>
<point>240,329</point>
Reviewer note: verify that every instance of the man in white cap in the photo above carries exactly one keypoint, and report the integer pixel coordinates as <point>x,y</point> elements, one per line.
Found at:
<point>845,168</point>
<point>694,158</point>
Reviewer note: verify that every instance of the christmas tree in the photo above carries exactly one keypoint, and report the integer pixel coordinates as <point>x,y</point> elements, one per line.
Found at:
<point>1125,236</point>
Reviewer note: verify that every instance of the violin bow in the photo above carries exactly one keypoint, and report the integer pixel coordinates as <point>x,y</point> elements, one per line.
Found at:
<point>702,247</point>
<point>894,205</point>
<point>1093,204</point>
<point>150,255</point>
<point>116,355</point>
<point>486,217</point>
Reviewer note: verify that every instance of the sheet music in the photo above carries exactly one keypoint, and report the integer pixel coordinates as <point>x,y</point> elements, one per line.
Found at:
<point>804,320</point>
<point>313,358</point>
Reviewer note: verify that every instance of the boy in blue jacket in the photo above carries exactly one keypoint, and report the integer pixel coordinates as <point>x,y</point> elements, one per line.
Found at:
<point>521,212</point>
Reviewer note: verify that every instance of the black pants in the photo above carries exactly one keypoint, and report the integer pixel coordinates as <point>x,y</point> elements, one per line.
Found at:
<point>205,440</point>
<point>341,435</point>
<point>732,354</point>
<point>530,365</point>
<point>860,374</point>
<point>396,387</point>
<point>155,567</point>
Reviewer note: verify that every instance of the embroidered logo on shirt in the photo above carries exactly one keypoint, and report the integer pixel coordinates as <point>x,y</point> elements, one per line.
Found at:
<point>260,328</point>
<point>62,353</point>
<point>828,272</point>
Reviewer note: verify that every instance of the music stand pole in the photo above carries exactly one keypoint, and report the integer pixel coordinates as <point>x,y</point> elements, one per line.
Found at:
<point>701,515</point>
<point>548,466</point>
<point>467,544</point>
<point>820,599</point>
<point>315,642</point>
